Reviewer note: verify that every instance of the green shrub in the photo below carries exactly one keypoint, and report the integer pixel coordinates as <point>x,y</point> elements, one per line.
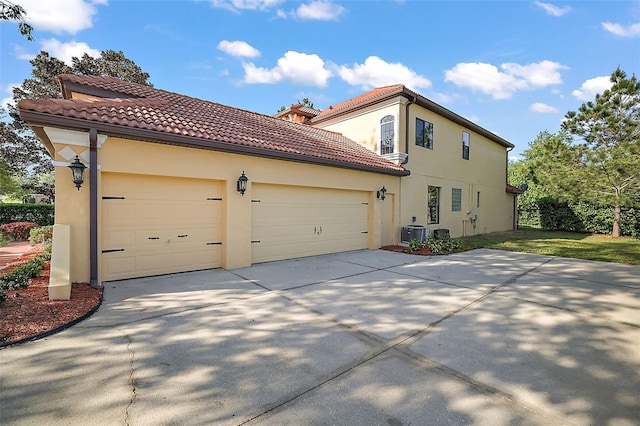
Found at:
<point>42,214</point>
<point>20,277</point>
<point>435,245</point>
<point>17,230</point>
<point>415,245</point>
<point>579,216</point>
<point>3,296</point>
<point>40,234</point>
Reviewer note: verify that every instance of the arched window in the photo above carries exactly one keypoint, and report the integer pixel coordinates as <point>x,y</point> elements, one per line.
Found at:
<point>387,134</point>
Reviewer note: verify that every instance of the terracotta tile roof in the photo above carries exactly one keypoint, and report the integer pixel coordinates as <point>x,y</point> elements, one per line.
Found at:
<point>155,115</point>
<point>387,92</point>
<point>365,98</point>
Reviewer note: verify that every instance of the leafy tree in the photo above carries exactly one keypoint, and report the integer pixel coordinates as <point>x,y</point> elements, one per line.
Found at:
<point>110,64</point>
<point>605,167</point>
<point>14,12</point>
<point>8,184</point>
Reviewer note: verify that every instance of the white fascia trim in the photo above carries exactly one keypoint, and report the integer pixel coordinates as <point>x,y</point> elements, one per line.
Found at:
<point>71,137</point>
<point>396,156</point>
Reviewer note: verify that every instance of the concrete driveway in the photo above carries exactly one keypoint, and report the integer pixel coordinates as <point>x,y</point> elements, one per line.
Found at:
<point>362,338</point>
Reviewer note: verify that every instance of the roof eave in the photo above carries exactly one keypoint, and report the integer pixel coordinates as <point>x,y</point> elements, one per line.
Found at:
<point>425,103</point>
<point>34,118</point>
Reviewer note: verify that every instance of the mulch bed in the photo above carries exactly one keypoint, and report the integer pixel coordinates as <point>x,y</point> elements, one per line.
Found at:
<point>28,313</point>
<point>401,249</point>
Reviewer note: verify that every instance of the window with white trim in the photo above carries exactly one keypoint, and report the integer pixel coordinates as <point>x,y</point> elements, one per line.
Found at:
<point>387,134</point>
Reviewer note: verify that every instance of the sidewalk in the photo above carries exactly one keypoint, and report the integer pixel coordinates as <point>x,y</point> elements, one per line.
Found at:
<point>12,251</point>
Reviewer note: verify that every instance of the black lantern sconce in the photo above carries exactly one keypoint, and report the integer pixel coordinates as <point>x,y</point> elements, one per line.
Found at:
<point>242,183</point>
<point>77,171</point>
<point>380,193</point>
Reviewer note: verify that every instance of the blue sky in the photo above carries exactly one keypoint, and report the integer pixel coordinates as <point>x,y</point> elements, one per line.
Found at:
<point>513,67</point>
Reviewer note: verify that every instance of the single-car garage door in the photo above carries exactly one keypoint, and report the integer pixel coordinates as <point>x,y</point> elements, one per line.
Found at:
<point>155,225</point>
<point>293,221</point>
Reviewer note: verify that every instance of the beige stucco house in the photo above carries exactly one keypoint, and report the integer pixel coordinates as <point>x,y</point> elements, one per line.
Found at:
<point>458,169</point>
<point>160,194</point>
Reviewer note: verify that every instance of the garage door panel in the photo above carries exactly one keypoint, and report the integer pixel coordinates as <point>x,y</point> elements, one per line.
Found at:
<point>290,222</point>
<point>160,224</point>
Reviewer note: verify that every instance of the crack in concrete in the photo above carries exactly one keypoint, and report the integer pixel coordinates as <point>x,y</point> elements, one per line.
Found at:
<point>131,380</point>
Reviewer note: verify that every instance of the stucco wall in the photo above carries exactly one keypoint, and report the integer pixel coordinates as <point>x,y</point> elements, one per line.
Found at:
<point>442,166</point>
<point>146,158</point>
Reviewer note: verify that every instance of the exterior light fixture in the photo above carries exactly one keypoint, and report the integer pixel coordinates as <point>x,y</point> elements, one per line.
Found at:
<point>380,193</point>
<point>242,183</point>
<point>77,170</point>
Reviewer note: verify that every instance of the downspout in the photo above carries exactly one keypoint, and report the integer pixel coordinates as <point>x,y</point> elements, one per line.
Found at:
<point>406,128</point>
<point>93,206</point>
<point>506,166</point>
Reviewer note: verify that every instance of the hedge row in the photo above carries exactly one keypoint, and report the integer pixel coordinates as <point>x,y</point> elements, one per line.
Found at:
<point>42,214</point>
<point>580,216</point>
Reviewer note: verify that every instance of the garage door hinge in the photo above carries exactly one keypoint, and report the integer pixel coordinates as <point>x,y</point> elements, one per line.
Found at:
<point>255,241</point>
<point>217,243</point>
<point>214,199</point>
<point>111,250</point>
<point>364,232</point>
<point>256,201</point>
<point>365,204</point>
<point>109,197</point>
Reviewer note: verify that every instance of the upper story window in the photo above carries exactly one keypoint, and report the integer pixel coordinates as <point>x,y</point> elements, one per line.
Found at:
<point>424,133</point>
<point>387,134</point>
<point>465,145</point>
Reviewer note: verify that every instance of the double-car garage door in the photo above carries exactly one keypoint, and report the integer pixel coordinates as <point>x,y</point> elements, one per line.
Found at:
<point>295,221</point>
<point>154,225</point>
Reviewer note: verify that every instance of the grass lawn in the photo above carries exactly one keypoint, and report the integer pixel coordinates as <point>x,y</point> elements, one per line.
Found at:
<point>565,244</point>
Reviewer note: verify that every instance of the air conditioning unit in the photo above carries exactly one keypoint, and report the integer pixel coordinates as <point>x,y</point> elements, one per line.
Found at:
<point>441,234</point>
<point>414,232</point>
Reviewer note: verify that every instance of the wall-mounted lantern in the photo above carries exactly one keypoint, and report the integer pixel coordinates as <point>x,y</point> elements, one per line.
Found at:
<point>381,192</point>
<point>242,183</point>
<point>77,171</point>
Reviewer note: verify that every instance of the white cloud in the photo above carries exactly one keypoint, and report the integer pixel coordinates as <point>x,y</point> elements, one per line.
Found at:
<point>488,79</point>
<point>61,16</point>
<point>542,108</point>
<point>320,11</point>
<point>376,72</point>
<point>238,48</point>
<point>238,5</point>
<point>8,89</point>
<point>591,87</point>
<point>552,9</point>
<point>294,67</point>
<point>65,51</point>
<point>632,30</point>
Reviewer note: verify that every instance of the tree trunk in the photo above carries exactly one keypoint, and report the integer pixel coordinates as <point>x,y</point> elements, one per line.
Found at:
<point>616,221</point>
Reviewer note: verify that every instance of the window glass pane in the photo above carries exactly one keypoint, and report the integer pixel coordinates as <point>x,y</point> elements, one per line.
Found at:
<point>433,202</point>
<point>465,145</point>
<point>456,200</point>
<point>424,133</point>
<point>387,135</point>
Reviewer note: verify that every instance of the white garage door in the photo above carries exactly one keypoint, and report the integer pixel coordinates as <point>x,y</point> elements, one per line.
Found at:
<point>293,221</point>
<point>155,225</point>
